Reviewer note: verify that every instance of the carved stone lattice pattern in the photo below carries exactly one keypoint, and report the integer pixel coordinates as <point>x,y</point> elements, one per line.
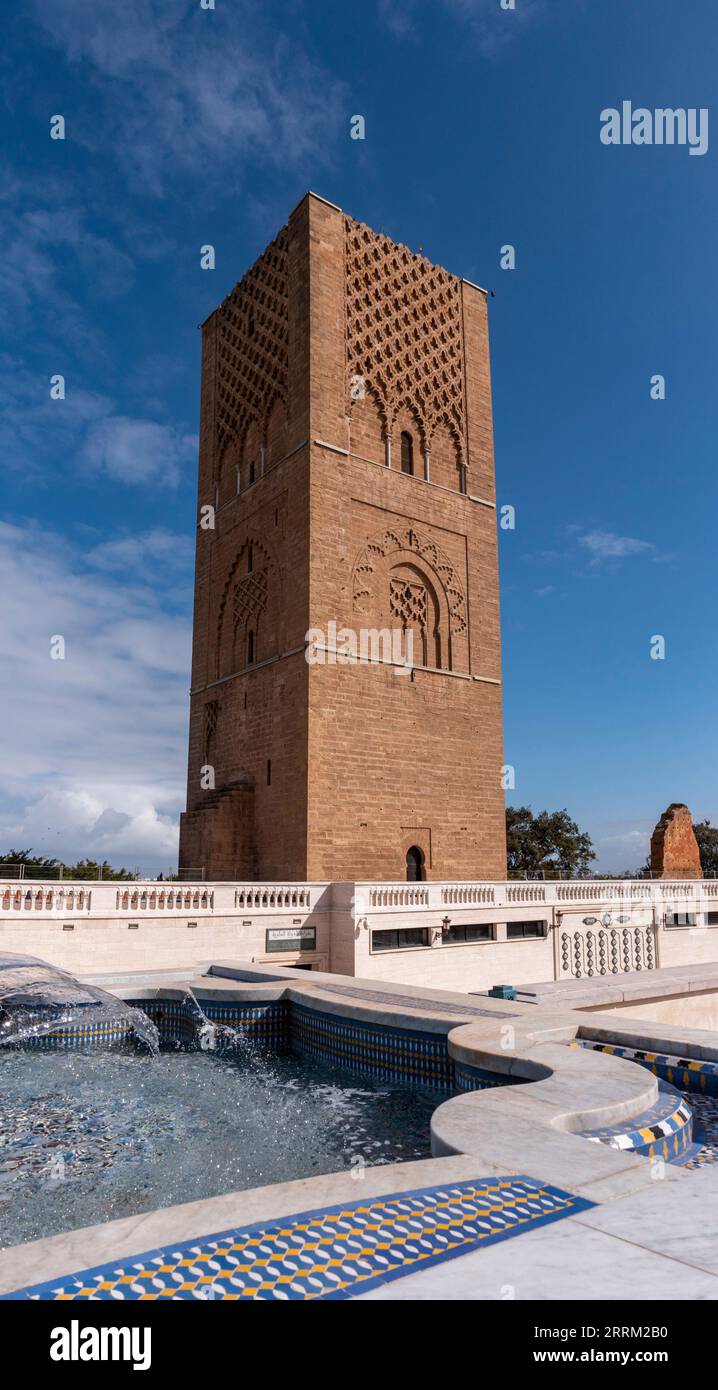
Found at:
<point>607,951</point>
<point>211,715</point>
<point>404,331</point>
<point>233,584</point>
<point>408,540</point>
<point>252,345</point>
<point>408,603</point>
<point>250,596</point>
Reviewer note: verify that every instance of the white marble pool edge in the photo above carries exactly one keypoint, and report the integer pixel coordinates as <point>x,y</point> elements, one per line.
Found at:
<point>650,1234</point>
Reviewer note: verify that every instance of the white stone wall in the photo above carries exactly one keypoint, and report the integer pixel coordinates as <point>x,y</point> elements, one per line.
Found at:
<point>685,1011</point>
<point>93,927</point>
<point>99,932</point>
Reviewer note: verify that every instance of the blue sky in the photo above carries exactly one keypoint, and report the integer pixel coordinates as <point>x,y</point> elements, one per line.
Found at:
<point>185,127</point>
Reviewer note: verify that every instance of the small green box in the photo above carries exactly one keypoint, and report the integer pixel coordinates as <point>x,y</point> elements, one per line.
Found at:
<point>502,992</point>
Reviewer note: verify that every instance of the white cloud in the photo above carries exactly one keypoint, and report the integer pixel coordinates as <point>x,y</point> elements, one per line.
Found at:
<point>624,846</point>
<point>493,28</point>
<point>72,825</point>
<point>95,745</point>
<point>47,248</point>
<point>107,265</point>
<point>36,431</point>
<point>606,545</point>
<point>398,16</point>
<point>629,837</point>
<point>138,451</point>
<point>193,91</point>
<point>140,555</point>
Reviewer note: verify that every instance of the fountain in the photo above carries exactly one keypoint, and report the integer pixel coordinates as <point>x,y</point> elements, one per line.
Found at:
<point>38,999</point>
<point>212,1036</point>
<point>90,1132</point>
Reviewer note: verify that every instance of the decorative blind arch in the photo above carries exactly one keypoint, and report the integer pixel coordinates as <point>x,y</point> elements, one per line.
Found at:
<point>407,541</point>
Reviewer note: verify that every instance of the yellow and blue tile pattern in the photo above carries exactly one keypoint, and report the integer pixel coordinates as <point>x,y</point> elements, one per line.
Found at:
<point>374,1049</point>
<point>77,1037</point>
<point>665,1131</point>
<point>467,1078</point>
<point>176,1019</point>
<point>687,1073</point>
<point>410,1055</point>
<point>331,1253</point>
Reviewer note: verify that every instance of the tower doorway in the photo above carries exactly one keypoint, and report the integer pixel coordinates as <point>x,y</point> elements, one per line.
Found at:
<point>414,864</point>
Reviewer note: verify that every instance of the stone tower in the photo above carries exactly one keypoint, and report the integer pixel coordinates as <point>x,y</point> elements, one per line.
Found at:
<point>674,847</point>
<point>346,484</point>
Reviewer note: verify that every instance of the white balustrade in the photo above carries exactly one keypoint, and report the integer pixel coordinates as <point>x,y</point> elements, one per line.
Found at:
<point>490,899</point>
<point>271,897</point>
<point>398,895</point>
<point>181,899</point>
<point>464,894</point>
<point>44,898</point>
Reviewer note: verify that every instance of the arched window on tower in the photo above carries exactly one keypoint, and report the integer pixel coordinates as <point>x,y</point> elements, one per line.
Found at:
<point>414,865</point>
<point>250,647</point>
<point>407,452</point>
<point>250,559</point>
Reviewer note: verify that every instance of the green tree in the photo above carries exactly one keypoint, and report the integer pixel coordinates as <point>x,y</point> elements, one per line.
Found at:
<point>90,869</point>
<point>84,869</point>
<point>549,843</point>
<point>707,837</point>
<point>26,856</point>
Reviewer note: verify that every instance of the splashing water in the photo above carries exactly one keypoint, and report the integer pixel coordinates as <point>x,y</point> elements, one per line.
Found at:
<point>37,999</point>
<point>213,1037</point>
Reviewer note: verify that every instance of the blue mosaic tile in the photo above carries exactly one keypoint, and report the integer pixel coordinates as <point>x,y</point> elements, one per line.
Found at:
<point>686,1073</point>
<point>704,1149</point>
<point>374,1049</point>
<point>663,1131</point>
<point>172,1018</point>
<point>467,1078</point>
<point>329,1253</point>
<point>76,1037</point>
<point>409,1055</point>
<point>176,1019</point>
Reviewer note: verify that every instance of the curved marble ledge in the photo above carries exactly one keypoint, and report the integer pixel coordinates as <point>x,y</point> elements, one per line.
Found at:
<point>512,1129</point>
<point>538,1124</point>
<point>645,1036</point>
<point>509,1128</point>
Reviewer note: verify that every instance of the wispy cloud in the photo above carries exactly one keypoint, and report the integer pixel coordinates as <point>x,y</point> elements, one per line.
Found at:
<point>492,27</point>
<point>398,17</point>
<point>94,745</point>
<point>141,554</point>
<point>50,256</point>
<point>138,451</point>
<point>607,545</point>
<point>192,91</point>
<point>495,28</point>
<point>38,434</point>
<point>630,838</point>
<point>588,550</point>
